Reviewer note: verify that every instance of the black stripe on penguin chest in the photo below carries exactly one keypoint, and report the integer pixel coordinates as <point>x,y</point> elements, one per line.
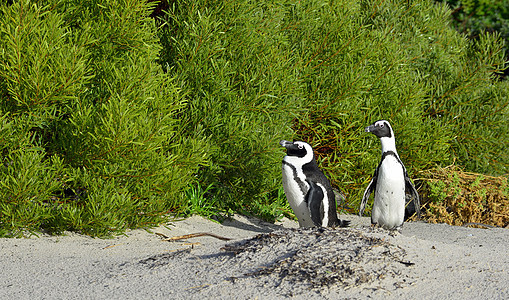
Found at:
<point>303,187</point>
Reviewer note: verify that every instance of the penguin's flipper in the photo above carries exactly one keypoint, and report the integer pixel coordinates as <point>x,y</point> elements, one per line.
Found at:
<point>314,200</point>
<point>417,203</point>
<point>371,188</point>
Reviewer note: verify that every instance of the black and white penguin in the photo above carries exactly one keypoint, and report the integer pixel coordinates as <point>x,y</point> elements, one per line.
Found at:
<point>307,189</point>
<point>390,182</point>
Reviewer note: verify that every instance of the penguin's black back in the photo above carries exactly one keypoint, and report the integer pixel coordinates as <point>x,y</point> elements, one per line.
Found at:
<point>314,174</point>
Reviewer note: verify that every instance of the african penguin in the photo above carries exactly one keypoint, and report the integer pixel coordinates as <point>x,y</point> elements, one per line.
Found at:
<point>390,182</point>
<point>307,189</point>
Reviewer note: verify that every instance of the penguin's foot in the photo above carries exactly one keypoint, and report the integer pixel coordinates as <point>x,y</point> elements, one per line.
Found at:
<point>395,231</point>
<point>375,226</point>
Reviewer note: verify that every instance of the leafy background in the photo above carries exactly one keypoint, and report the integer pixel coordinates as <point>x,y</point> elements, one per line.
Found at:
<point>122,114</point>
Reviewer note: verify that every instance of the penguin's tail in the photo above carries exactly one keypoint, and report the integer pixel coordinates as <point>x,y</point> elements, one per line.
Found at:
<point>344,223</point>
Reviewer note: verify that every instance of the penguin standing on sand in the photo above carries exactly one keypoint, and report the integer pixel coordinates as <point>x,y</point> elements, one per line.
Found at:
<point>390,183</point>
<point>307,189</point>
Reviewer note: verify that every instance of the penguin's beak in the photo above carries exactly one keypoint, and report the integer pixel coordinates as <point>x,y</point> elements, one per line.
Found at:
<point>369,128</point>
<point>285,144</point>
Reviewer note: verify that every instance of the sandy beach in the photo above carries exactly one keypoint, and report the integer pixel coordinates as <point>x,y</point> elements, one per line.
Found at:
<point>261,261</point>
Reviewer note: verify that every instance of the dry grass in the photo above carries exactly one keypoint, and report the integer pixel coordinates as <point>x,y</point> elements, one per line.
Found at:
<point>455,197</point>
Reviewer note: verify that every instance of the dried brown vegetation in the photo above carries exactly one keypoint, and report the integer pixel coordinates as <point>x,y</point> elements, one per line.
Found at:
<point>455,197</point>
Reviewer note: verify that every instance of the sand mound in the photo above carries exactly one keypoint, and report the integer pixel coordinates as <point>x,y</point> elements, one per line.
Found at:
<point>321,257</point>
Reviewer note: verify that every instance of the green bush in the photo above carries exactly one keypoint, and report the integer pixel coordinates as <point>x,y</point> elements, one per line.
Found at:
<point>90,133</point>
<point>109,122</point>
<point>475,16</point>
<point>327,69</point>
<point>230,58</point>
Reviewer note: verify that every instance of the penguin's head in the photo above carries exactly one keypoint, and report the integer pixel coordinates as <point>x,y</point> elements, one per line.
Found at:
<point>381,129</point>
<point>298,150</point>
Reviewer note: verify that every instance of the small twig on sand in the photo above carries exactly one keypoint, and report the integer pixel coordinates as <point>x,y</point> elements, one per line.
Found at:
<point>111,246</point>
<point>192,235</point>
<point>479,224</point>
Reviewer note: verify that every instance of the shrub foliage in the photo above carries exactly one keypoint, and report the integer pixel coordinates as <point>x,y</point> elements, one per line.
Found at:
<point>90,139</point>
<point>108,118</point>
<point>325,70</point>
<point>458,198</point>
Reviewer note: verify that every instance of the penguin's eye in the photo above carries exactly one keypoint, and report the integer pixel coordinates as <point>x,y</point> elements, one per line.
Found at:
<point>381,125</point>
<point>300,146</point>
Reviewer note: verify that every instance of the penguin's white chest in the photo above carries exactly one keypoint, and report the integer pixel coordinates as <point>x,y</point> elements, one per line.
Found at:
<point>389,204</point>
<point>296,196</point>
